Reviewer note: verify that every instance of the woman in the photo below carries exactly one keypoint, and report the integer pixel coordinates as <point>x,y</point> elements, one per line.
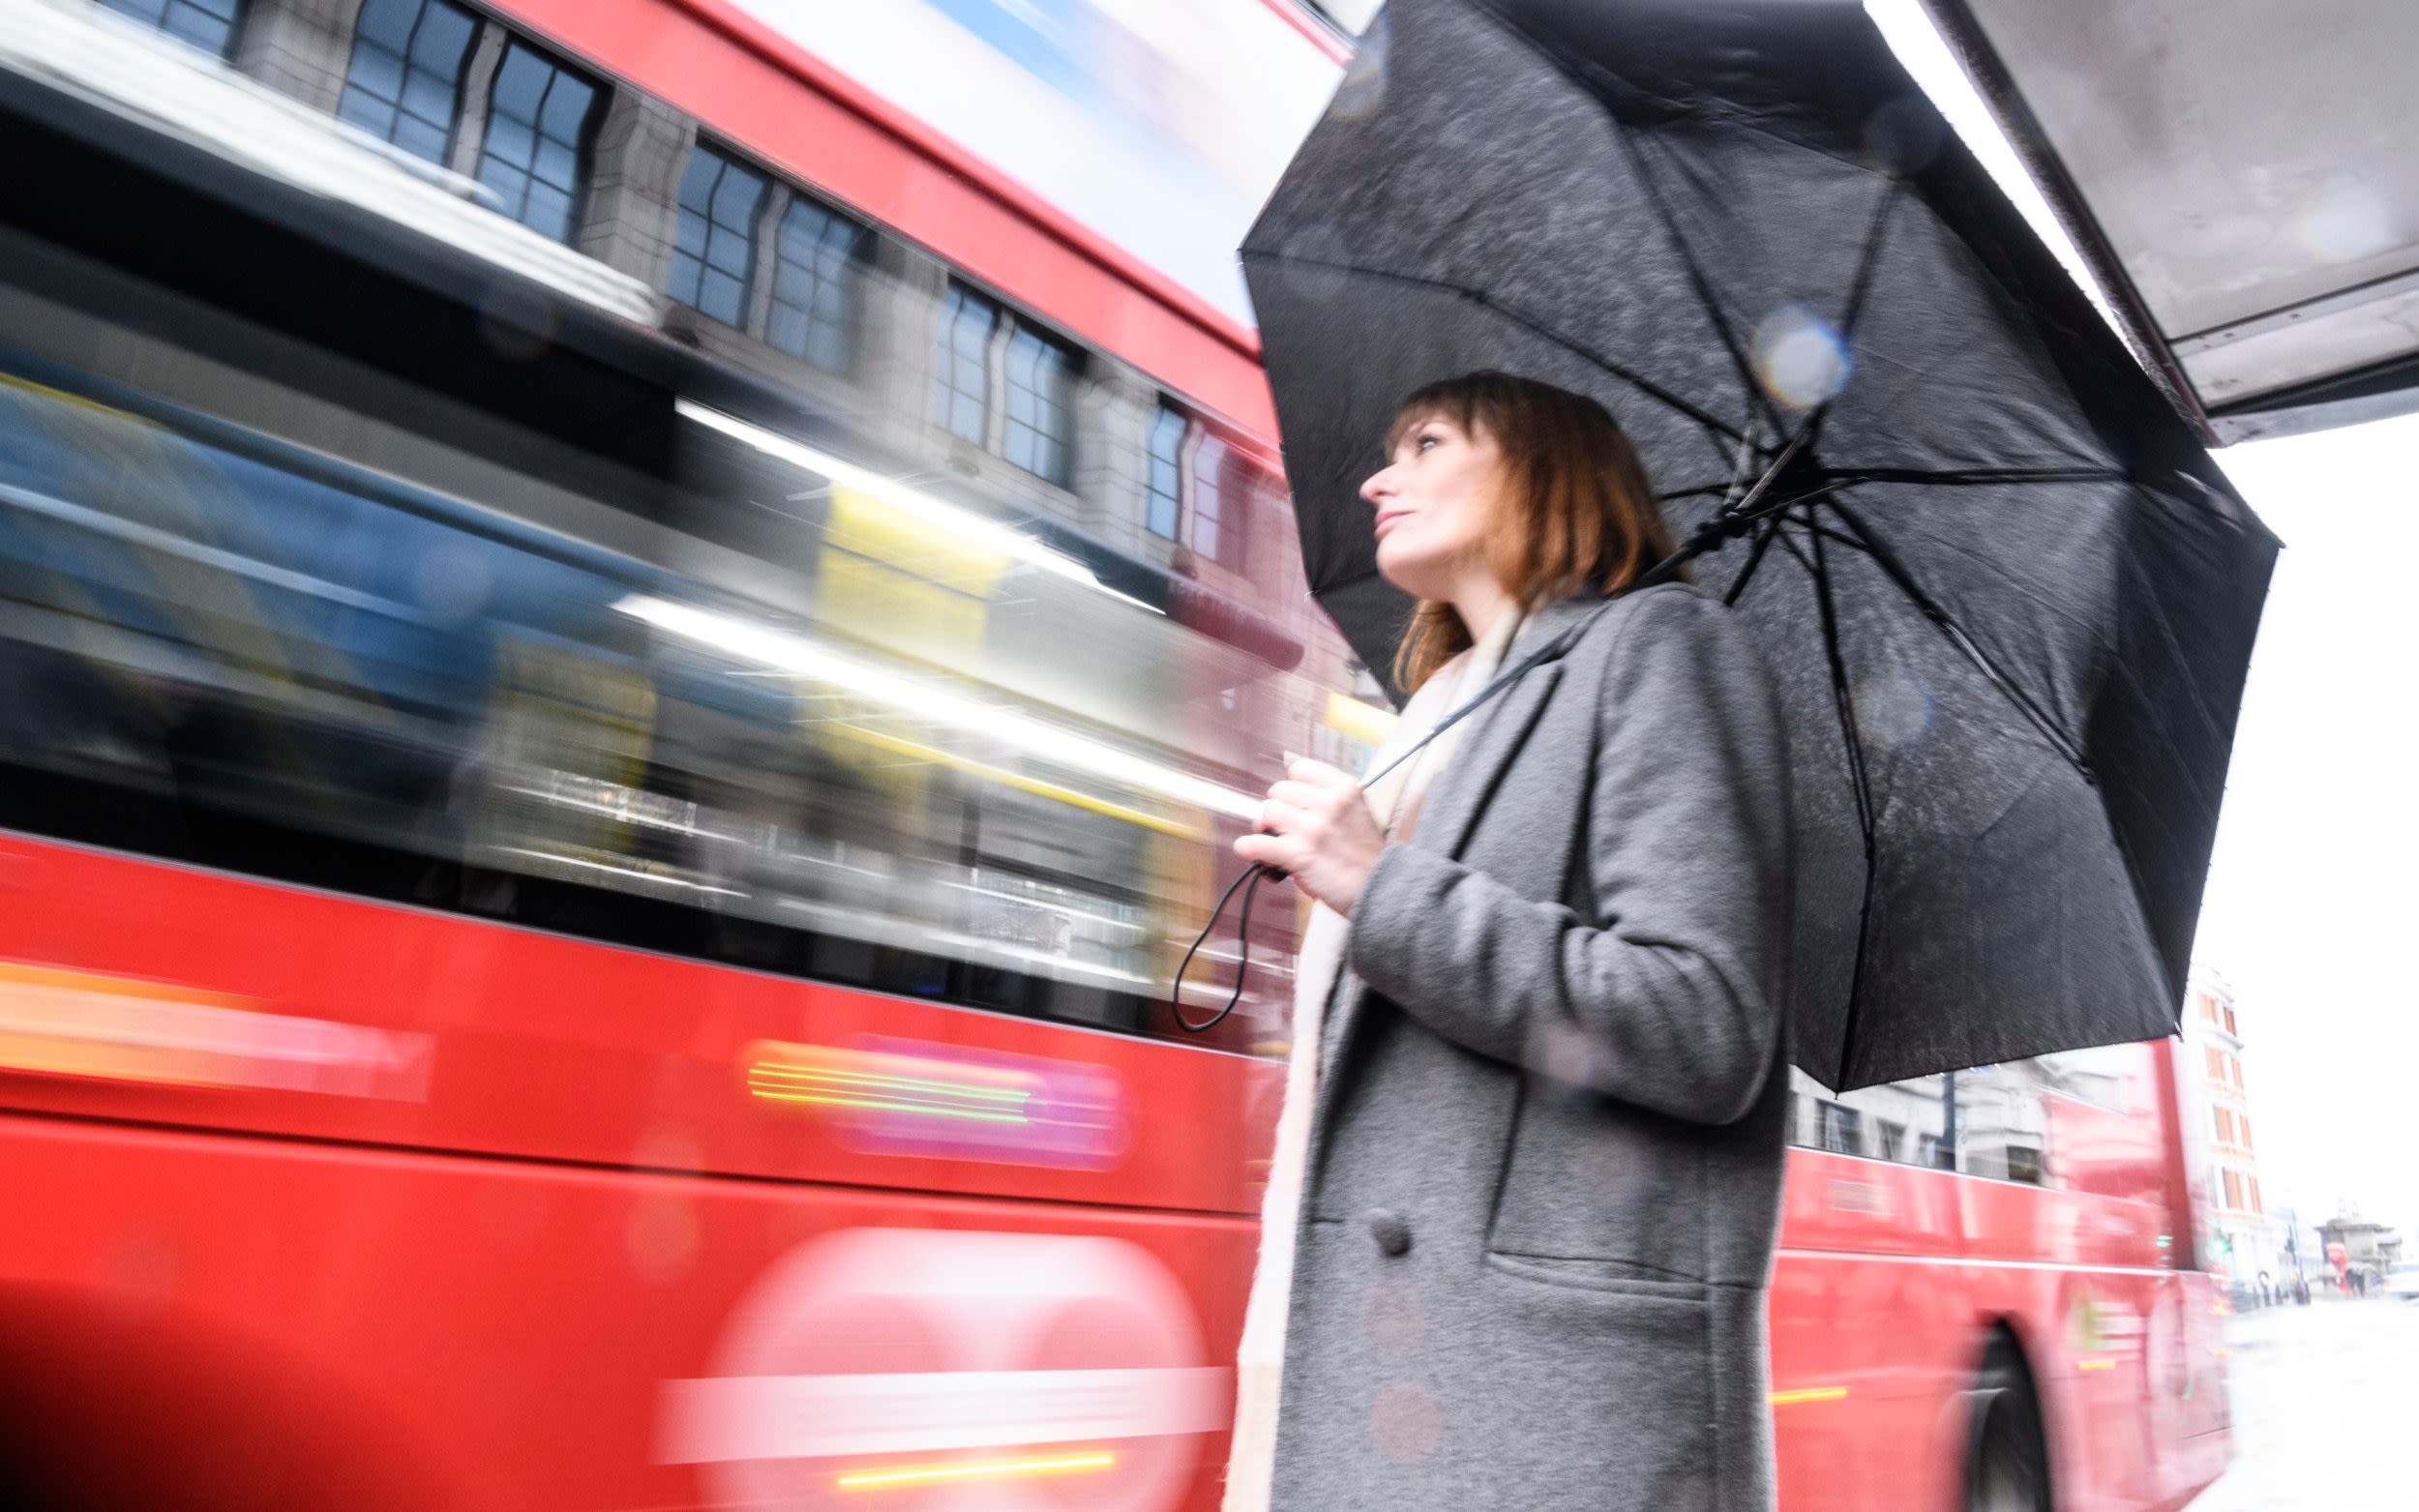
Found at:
<point>1529,1167</point>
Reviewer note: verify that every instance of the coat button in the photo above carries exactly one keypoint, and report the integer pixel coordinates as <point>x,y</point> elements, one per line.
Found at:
<point>1390,1229</point>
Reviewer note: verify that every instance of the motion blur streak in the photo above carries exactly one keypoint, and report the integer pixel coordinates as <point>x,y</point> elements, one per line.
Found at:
<point>1087,802</point>
<point>965,526</point>
<point>1809,1394</point>
<point>792,653</point>
<point>90,1025</point>
<point>900,1097</point>
<point>1082,1462</point>
<point>812,1417</point>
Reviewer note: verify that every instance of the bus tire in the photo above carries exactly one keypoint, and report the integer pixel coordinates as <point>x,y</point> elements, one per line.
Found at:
<point>2007,1462</point>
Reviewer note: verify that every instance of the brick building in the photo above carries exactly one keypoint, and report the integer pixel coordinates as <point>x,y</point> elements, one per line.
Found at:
<point>2222,1151</point>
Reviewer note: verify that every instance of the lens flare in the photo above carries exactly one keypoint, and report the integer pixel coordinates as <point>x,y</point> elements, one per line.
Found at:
<point>1800,359</point>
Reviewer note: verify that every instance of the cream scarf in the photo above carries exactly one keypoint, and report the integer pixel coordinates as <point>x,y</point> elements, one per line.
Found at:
<point>1396,800</point>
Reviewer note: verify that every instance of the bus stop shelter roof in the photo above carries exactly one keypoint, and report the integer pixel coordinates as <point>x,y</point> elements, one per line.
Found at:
<point>2241,177</point>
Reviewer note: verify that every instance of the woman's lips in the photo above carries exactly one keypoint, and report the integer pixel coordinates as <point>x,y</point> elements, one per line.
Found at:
<point>1386,518</point>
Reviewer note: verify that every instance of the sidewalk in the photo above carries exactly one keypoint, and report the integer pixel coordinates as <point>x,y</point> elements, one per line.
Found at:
<point>2326,1409</point>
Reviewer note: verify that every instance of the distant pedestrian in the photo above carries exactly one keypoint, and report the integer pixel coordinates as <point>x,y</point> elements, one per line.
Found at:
<point>2267,1292</point>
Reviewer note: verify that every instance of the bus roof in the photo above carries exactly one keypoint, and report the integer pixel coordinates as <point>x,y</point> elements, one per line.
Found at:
<point>1098,167</point>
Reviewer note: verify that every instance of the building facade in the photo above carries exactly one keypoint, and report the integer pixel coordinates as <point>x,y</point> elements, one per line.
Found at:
<point>945,376</point>
<point>2244,1237</point>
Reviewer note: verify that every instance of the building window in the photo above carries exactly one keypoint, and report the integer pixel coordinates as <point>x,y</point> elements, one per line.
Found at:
<point>1210,502</point>
<point>2217,1064</point>
<point>1893,1138</point>
<point>2233,1190</point>
<point>404,84</point>
<point>714,251</point>
<point>1842,1128</point>
<point>1225,481</point>
<point>2234,1064</point>
<point>2225,1126</point>
<point>1042,405</point>
<point>208,24</point>
<point>2230,1021</point>
<point>819,260</point>
<point>1163,490</point>
<point>535,158</point>
<point>961,403</point>
<point>2254,1183</point>
<point>2242,1131</point>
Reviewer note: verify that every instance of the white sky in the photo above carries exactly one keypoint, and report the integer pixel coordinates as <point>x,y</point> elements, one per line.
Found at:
<point>2313,906</point>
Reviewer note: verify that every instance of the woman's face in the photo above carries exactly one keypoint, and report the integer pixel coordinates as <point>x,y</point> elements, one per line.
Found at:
<point>1434,502</point>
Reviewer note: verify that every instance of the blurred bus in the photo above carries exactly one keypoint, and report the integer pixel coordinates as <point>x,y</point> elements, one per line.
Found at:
<point>621,675</point>
<point>627,651</point>
<point>1994,1292</point>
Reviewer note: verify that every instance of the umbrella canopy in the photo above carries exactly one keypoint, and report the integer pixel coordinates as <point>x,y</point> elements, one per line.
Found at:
<point>2008,601</point>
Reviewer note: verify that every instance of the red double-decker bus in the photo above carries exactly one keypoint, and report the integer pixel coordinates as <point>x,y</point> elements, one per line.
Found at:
<point>622,666</point>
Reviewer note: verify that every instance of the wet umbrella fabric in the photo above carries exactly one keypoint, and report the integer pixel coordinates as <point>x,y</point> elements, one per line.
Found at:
<point>2009,599</point>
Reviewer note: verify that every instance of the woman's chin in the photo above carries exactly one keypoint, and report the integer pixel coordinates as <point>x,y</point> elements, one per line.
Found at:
<point>1409,571</point>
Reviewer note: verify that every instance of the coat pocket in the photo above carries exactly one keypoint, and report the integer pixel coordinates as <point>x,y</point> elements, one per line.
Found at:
<point>1595,1275</point>
<point>1589,1181</point>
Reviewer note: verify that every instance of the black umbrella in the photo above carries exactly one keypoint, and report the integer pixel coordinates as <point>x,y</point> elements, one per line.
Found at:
<point>2008,597</point>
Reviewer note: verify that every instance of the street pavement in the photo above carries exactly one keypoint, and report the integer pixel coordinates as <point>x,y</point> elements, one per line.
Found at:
<point>2327,1409</point>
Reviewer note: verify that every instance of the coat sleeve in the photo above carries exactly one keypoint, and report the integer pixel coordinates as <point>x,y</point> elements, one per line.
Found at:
<point>1672,987</point>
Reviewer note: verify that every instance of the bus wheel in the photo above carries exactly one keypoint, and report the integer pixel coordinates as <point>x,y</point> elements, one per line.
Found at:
<point>2007,1468</point>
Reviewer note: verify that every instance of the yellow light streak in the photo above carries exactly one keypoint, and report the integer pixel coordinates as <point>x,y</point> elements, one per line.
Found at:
<point>920,1110</point>
<point>2095,1364</point>
<point>773,1071</point>
<point>1351,716</point>
<point>1040,787</point>
<point>1809,1394</point>
<point>927,1474</point>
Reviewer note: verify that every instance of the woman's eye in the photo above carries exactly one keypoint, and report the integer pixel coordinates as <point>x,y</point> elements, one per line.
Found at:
<point>1426,441</point>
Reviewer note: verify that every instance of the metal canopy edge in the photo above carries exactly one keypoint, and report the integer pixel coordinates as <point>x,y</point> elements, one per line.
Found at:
<point>2242,181</point>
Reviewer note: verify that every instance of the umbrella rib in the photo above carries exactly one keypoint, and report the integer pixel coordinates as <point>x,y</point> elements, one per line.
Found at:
<point>1714,313</point>
<point>1931,608</point>
<point>1765,531</point>
<point>1643,384</point>
<point>1980,477</point>
<point>1845,703</point>
<point>1868,261</point>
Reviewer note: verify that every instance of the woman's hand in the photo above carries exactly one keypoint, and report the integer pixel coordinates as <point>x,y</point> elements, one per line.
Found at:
<point>1317,828</point>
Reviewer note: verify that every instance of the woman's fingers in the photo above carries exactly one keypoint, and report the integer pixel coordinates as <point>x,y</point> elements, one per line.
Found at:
<point>1280,851</point>
<point>1302,796</point>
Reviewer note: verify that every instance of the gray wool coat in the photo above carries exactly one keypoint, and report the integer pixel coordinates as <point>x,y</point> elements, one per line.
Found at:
<point>1545,1161</point>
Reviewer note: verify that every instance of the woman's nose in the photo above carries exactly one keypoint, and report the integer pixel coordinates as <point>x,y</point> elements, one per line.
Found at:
<point>1380,486</point>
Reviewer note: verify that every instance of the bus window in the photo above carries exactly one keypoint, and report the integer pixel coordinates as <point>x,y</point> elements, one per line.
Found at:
<point>323,675</point>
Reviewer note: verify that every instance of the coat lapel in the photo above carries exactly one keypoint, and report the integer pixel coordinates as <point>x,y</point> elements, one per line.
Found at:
<point>1456,800</point>
<point>1460,792</point>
